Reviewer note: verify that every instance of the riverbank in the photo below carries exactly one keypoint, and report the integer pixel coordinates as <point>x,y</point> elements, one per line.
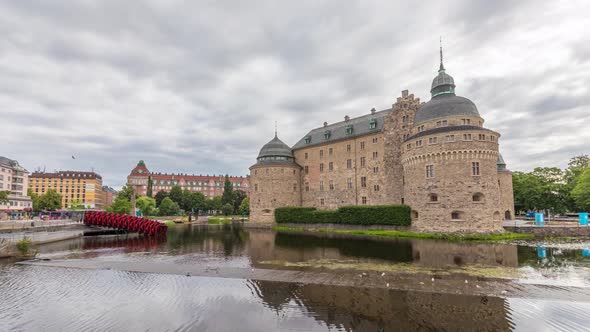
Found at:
<point>379,233</point>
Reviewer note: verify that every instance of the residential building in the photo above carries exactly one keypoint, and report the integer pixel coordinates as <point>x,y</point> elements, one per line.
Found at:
<point>13,179</point>
<point>73,186</point>
<point>209,185</point>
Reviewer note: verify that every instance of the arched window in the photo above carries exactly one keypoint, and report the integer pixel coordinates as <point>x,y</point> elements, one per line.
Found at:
<point>508,215</point>
<point>414,215</point>
<point>496,215</point>
<point>478,197</point>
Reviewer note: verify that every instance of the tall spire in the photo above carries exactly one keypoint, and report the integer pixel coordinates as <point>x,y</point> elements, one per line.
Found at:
<point>276,128</point>
<point>442,67</point>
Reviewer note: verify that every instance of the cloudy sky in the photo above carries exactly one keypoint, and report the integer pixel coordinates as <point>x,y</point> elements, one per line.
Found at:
<point>196,86</point>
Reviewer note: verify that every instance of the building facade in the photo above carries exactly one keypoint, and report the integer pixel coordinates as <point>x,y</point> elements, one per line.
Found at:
<point>210,185</point>
<point>14,180</point>
<point>109,195</point>
<point>437,157</point>
<point>73,186</point>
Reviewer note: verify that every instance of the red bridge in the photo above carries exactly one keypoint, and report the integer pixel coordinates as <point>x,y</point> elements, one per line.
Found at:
<point>124,222</point>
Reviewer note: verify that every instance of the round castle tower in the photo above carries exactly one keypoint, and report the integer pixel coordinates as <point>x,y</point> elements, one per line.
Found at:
<point>450,164</point>
<point>274,181</point>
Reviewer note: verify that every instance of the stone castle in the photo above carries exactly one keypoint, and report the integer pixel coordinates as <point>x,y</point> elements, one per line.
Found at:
<point>437,157</point>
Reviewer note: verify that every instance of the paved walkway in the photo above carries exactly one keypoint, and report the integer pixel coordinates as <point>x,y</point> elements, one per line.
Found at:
<point>35,223</point>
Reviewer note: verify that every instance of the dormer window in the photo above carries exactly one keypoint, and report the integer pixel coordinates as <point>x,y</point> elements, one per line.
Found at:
<point>327,134</point>
<point>307,139</point>
<point>349,130</point>
<point>373,123</point>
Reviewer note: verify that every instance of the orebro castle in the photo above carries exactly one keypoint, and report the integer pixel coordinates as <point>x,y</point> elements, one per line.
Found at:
<point>437,157</point>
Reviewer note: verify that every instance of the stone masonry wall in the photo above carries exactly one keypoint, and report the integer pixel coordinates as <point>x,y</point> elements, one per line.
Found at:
<point>273,186</point>
<point>506,195</point>
<point>398,125</point>
<point>342,193</point>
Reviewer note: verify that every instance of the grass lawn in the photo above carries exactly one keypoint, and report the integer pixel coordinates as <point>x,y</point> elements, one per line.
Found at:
<point>404,234</point>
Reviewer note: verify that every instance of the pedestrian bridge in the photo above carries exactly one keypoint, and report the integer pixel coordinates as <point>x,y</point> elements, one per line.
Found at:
<point>125,222</point>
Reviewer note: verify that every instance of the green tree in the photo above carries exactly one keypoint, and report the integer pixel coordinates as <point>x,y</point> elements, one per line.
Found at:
<point>214,204</point>
<point>149,187</point>
<point>227,209</point>
<point>228,192</point>
<point>176,195</point>
<point>581,192</point>
<point>576,167</point>
<point>146,205</point>
<point>239,196</point>
<point>542,189</point>
<point>192,201</point>
<point>76,205</point>
<point>245,206</point>
<point>51,200</point>
<point>126,192</point>
<point>4,197</point>
<point>160,195</point>
<point>34,199</point>
<point>121,205</point>
<point>168,207</point>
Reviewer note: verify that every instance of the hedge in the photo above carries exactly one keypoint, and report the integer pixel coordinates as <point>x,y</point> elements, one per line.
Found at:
<point>398,215</point>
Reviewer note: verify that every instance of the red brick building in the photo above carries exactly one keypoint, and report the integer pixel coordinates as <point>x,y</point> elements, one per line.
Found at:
<point>209,185</point>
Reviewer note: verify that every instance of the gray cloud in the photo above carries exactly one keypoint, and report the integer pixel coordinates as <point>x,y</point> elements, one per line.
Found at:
<point>196,87</point>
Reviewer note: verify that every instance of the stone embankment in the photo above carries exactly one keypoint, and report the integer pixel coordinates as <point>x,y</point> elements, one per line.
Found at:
<point>551,230</point>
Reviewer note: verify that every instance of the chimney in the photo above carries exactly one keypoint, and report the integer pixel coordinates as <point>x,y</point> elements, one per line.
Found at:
<point>346,118</point>
<point>325,124</point>
<point>373,110</point>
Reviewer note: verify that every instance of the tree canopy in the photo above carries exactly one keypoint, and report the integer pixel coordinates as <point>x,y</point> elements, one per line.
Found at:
<point>51,200</point>
<point>168,207</point>
<point>146,205</point>
<point>228,193</point>
<point>176,194</point>
<point>581,192</point>
<point>4,197</point>
<point>149,187</point>
<point>160,195</point>
<point>126,192</point>
<point>245,206</point>
<point>121,205</point>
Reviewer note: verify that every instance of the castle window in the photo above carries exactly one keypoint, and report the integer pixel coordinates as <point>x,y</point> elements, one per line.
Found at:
<point>362,145</point>
<point>442,123</point>
<point>348,148</point>
<point>482,137</point>
<point>478,197</point>
<point>306,155</point>
<point>349,130</point>
<point>364,200</point>
<point>456,215</point>
<point>322,201</point>
<point>327,134</point>
<point>349,183</point>
<point>307,139</point>
<point>330,151</point>
<point>421,128</point>
<point>467,137</point>
<point>349,163</point>
<point>331,184</point>
<point>256,187</point>
<point>419,143</point>
<point>376,187</point>
<point>363,161</point>
<point>409,146</point>
<point>375,155</point>
<point>450,138</point>
<point>433,198</point>
<point>364,182</point>
<point>306,186</point>
<point>375,140</point>
<point>492,138</point>
<point>322,185</point>
<point>373,123</point>
<point>429,171</point>
<point>375,169</point>
<point>405,119</point>
<point>321,153</point>
<point>432,140</point>
<point>466,121</point>
<point>331,166</point>
<point>475,168</point>
<point>321,167</point>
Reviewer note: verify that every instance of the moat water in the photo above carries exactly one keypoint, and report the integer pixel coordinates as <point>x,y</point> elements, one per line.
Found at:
<point>548,288</point>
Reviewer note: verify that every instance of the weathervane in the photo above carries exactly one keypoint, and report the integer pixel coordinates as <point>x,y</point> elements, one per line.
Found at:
<point>442,67</point>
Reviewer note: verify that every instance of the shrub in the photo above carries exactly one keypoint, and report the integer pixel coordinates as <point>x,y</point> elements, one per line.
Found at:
<point>398,215</point>
<point>24,246</point>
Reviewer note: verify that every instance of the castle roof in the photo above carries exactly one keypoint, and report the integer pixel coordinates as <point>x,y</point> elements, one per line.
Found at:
<point>275,152</point>
<point>351,128</point>
<point>445,105</point>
